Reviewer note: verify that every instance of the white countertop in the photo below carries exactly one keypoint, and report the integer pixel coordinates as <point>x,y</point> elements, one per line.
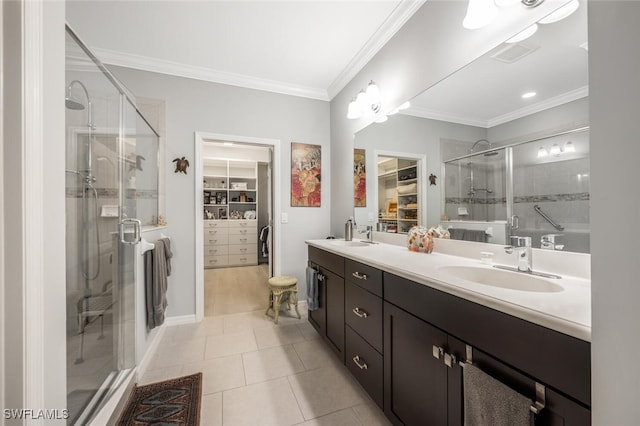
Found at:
<point>567,311</point>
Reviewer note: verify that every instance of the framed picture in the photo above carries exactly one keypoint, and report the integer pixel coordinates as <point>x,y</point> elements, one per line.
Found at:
<point>222,213</point>
<point>359,178</point>
<point>306,167</point>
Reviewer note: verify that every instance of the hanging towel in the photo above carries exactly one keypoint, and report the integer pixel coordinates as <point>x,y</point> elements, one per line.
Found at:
<point>312,288</point>
<point>475,235</point>
<point>168,254</point>
<point>489,402</point>
<point>155,277</point>
<point>456,233</point>
<point>264,237</point>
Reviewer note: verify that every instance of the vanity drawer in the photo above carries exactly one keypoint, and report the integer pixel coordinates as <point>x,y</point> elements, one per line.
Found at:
<point>364,276</point>
<point>327,260</point>
<point>216,250</point>
<point>363,313</point>
<point>242,224</point>
<point>243,259</point>
<point>243,231</point>
<point>250,239</point>
<point>243,248</point>
<point>216,240</point>
<point>365,364</point>
<point>215,224</point>
<point>216,261</point>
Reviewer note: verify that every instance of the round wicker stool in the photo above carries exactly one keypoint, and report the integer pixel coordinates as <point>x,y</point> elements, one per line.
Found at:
<point>281,289</point>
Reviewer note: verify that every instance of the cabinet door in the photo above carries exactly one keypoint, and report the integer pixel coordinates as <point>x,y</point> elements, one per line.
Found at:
<point>317,317</point>
<point>335,312</point>
<point>415,383</point>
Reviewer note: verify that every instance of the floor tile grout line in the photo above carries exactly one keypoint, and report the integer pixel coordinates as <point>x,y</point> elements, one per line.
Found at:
<point>296,398</point>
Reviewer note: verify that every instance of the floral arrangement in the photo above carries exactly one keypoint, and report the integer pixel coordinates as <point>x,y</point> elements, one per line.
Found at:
<point>420,239</point>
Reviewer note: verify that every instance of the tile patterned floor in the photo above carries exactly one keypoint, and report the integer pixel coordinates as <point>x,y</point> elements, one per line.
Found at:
<point>259,373</point>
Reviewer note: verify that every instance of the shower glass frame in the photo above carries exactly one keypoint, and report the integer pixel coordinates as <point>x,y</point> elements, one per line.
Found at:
<point>121,134</point>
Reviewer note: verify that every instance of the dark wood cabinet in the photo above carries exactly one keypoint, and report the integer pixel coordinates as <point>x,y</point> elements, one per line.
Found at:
<point>404,342</point>
<point>415,382</point>
<point>328,319</point>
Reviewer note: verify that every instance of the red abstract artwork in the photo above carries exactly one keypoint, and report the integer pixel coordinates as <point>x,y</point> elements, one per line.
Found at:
<point>359,178</point>
<point>306,166</point>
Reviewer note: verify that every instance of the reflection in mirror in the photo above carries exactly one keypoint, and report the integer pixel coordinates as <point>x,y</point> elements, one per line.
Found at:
<point>513,192</point>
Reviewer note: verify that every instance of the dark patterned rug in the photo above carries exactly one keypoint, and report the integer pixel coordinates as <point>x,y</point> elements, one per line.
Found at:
<point>172,402</point>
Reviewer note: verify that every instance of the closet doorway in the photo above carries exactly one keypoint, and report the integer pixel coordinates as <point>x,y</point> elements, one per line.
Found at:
<point>236,237</point>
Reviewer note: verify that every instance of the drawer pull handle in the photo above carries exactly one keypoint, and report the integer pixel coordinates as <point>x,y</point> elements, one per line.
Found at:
<point>359,276</point>
<point>243,250</point>
<point>356,360</point>
<point>213,241</point>
<point>243,239</point>
<point>437,351</point>
<point>359,312</point>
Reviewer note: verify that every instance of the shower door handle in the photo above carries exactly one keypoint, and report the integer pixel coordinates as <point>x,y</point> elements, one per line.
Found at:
<point>515,222</point>
<point>127,224</point>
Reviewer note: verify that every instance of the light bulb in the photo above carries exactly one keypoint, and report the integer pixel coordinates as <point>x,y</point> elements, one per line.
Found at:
<point>542,152</point>
<point>561,13</point>
<point>354,110</point>
<point>555,150</point>
<point>479,14</point>
<point>373,93</point>
<point>524,34</point>
<point>362,100</point>
<point>569,147</point>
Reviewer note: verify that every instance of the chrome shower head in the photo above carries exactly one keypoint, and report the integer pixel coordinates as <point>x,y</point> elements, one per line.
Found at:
<point>73,104</point>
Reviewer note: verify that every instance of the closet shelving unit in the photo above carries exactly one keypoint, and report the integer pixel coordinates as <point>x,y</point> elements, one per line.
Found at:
<point>230,201</point>
<point>398,201</point>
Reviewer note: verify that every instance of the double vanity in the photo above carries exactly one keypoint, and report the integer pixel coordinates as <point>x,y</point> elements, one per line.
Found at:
<point>406,323</point>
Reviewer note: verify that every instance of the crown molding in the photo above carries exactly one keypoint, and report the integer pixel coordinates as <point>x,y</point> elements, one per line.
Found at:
<point>177,69</point>
<point>564,98</point>
<point>383,34</point>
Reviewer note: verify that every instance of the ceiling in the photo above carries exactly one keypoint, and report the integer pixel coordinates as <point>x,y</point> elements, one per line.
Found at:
<point>488,92</point>
<point>298,47</point>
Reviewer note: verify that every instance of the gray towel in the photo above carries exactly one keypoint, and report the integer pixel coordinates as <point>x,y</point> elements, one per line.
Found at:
<point>155,279</point>
<point>167,253</point>
<point>456,233</point>
<point>312,289</point>
<point>473,235</point>
<point>489,402</point>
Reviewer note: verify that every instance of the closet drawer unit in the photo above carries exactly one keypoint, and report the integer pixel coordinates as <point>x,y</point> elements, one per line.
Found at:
<point>365,363</point>
<point>216,240</point>
<point>250,239</point>
<point>243,249</point>
<point>208,224</point>
<point>243,224</point>
<point>363,312</point>
<point>364,276</point>
<point>243,231</point>
<point>212,232</point>
<point>243,259</point>
<point>216,261</point>
<point>216,250</point>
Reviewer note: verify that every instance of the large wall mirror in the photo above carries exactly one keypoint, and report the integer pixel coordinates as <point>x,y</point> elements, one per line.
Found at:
<point>497,149</point>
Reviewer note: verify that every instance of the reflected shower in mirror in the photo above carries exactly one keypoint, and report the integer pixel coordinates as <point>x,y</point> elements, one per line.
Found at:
<point>520,92</point>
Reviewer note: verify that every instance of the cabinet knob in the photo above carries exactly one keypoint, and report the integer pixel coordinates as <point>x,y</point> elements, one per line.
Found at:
<point>359,312</point>
<point>359,276</point>
<point>357,361</point>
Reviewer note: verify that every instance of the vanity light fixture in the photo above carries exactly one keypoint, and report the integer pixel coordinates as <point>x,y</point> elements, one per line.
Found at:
<point>555,150</point>
<point>569,147</point>
<point>528,95</point>
<point>524,34</point>
<point>561,13</point>
<point>542,152</point>
<point>366,103</point>
<point>479,14</point>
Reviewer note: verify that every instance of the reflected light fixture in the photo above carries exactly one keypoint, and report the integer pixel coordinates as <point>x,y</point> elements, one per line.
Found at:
<point>555,150</point>
<point>524,34</point>
<point>569,147</point>
<point>542,152</point>
<point>479,14</point>
<point>366,103</point>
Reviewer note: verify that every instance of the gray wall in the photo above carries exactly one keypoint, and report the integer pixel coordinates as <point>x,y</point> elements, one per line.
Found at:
<point>614,67</point>
<point>192,106</point>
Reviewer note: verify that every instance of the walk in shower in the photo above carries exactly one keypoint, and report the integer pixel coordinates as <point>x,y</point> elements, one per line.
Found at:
<point>111,191</point>
<point>536,188</point>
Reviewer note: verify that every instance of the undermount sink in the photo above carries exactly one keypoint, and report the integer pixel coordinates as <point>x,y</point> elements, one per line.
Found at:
<point>345,243</point>
<point>502,279</point>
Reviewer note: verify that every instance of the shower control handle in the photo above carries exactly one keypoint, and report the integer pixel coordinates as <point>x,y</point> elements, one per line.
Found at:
<point>126,224</point>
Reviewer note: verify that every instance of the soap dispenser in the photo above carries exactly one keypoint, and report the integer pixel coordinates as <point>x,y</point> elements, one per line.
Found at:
<point>348,230</point>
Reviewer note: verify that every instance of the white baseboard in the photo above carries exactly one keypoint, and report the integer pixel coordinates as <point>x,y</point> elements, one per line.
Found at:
<point>183,319</point>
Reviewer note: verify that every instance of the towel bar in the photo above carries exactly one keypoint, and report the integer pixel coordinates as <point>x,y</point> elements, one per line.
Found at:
<point>540,402</point>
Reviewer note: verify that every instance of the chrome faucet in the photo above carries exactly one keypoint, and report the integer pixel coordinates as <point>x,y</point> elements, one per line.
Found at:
<point>522,246</point>
<point>369,232</point>
<point>548,242</point>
